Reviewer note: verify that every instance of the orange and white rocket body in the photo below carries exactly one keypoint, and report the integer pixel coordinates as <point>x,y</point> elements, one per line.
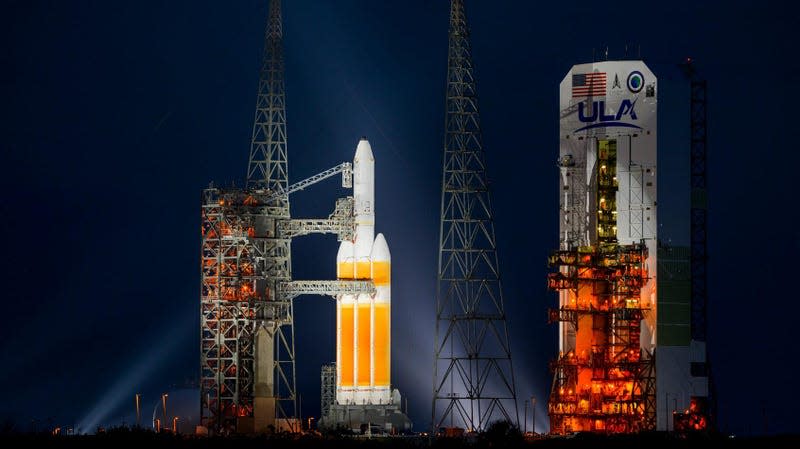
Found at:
<point>363,322</point>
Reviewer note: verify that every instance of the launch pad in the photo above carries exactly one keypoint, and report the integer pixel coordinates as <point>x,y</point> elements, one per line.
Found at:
<point>373,418</point>
<point>362,394</point>
<point>624,344</point>
<point>247,353</point>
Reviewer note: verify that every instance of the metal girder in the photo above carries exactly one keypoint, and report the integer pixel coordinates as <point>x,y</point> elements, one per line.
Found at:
<point>699,210</point>
<point>242,262</point>
<point>293,289</point>
<point>239,269</point>
<point>298,227</point>
<point>340,222</point>
<point>246,274</point>
<point>345,168</point>
<point>698,218</point>
<point>698,141</point>
<point>267,167</point>
<point>473,381</point>
<point>246,283</point>
<point>611,275</point>
<point>328,388</point>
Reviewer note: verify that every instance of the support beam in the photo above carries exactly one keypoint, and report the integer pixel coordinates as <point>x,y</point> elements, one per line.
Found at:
<point>340,222</point>
<point>294,289</point>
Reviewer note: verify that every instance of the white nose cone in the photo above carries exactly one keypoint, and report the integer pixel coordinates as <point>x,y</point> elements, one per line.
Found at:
<point>364,184</point>
<point>345,251</point>
<point>364,200</point>
<point>364,151</point>
<point>344,260</point>
<point>380,250</point>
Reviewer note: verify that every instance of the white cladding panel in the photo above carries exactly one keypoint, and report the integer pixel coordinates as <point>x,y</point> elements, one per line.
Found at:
<point>675,384</point>
<point>611,100</point>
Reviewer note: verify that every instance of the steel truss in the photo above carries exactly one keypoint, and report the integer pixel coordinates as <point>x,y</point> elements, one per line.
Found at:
<point>611,387</point>
<point>473,376</point>
<point>246,278</point>
<point>245,286</point>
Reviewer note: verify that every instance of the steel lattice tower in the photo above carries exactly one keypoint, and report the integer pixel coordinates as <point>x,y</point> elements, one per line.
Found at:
<point>699,209</point>
<point>247,326</point>
<point>473,376</point>
<point>698,230</point>
<point>267,167</point>
<point>327,388</point>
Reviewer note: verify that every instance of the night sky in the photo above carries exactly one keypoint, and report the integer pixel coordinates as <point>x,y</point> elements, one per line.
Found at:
<point>116,114</point>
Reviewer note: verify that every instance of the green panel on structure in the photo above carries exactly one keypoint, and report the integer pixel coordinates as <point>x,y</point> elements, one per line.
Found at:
<point>674,297</point>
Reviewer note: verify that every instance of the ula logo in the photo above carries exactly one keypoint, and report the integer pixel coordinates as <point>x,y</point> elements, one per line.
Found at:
<point>599,119</point>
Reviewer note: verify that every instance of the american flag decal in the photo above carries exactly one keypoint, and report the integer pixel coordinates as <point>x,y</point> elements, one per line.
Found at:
<point>589,85</point>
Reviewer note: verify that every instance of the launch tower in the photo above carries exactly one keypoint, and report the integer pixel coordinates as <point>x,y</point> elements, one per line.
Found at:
<point>247,356</point>
<point>631,345</point>
<point>604,377</point>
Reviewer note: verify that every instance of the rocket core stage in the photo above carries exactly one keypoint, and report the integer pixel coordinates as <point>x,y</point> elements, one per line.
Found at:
<point>363,322</point>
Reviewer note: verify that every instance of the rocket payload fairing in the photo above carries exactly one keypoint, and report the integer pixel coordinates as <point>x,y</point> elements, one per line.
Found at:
<point>363,322</point>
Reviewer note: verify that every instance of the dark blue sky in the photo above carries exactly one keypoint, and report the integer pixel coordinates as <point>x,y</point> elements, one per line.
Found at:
<point>116,114</point>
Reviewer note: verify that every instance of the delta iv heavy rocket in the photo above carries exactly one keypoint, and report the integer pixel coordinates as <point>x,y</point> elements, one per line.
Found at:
<point>363,322</point>
<point>363,396</point>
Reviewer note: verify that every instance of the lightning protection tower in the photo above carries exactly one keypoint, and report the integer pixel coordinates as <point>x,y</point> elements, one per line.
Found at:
<point>473,377</point>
